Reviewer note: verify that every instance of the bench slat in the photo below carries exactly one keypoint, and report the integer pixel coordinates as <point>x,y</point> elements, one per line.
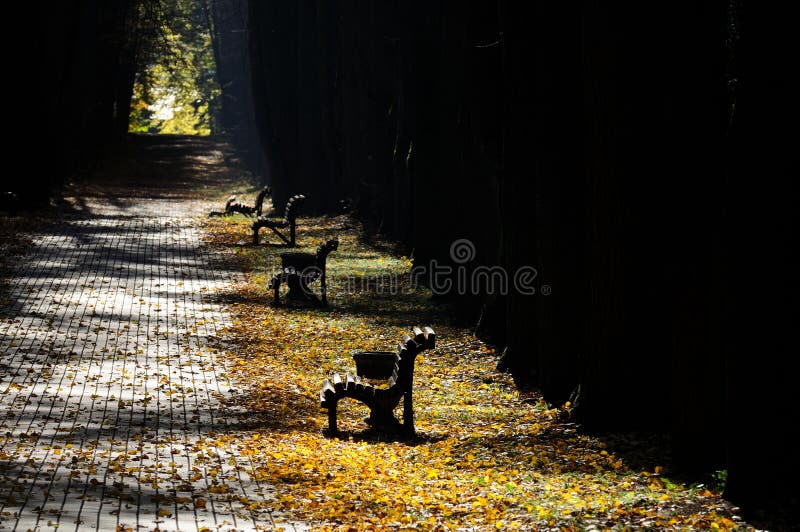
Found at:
<point>328,390</point>
<point>409,342</point>
<point>338,385</point>
<point>430,338</point>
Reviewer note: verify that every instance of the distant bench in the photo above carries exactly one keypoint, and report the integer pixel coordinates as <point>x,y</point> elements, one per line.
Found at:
<point>232,207</point>
<point>289,221</point>
<point>298,270</point>
<point>397,367</point>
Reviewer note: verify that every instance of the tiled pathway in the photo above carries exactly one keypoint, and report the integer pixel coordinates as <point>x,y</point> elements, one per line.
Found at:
<point>111,393</point>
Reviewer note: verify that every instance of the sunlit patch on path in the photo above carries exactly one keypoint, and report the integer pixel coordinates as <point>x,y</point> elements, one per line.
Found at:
<point>111,391</point>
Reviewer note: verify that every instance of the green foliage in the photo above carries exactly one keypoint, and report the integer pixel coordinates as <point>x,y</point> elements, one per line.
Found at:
<point>718,480</point>
<point>177,92</point>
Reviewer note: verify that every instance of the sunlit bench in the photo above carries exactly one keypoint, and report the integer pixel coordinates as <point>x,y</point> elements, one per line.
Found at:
<point>397,367</point>
<point>289,221</point>
<point>232,207</point>
<point>298,270</point>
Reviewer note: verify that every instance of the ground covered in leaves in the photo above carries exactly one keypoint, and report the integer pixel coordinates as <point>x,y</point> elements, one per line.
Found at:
<point>486,457</point>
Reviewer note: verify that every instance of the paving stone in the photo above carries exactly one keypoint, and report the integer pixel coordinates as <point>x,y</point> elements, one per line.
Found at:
<point>111,385</point>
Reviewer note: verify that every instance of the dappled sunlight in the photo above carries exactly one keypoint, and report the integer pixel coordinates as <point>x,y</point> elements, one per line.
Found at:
<point>177,92</point>
<point>569,199</point>
<point>485,456</point>
<point>111,384</point>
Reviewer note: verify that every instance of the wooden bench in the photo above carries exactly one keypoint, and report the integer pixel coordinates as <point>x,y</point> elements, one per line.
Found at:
<point>289,221</point>
<point>397,367</point>
<point>231,207</point>
<point>298,270</point>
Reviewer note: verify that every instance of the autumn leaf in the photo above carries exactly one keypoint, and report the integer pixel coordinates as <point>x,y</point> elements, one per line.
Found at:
<point>486,457</point>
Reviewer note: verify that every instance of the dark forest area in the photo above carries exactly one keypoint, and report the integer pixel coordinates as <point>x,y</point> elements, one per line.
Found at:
<point>639,159</point>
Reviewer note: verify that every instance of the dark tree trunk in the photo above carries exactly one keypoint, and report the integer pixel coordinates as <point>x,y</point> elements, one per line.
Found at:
<point>228,20</point>
<point>586,142</point>
<point>77,90</point>
<point>762,286</point>
<point>273,33</point>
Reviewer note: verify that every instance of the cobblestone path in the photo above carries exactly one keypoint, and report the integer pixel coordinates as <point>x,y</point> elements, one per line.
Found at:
<point>111,391</point>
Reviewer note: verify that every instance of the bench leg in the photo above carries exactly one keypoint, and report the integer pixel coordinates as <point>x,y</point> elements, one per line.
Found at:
<point>297,290</point>
<point>381,418</point>
<point>408,414</point>
<point>309,294</point>
<point>332,429</point>
<point>276,298</point>
<point>280,235</point>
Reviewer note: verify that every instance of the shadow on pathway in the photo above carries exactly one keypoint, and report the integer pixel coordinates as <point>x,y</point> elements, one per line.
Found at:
<point>112,396</point>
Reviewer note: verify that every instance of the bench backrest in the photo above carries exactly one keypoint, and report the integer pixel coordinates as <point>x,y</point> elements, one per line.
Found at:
<point>407,352</point>
<point>229,203</point>
<point>266,191</point>
<point>325,248</point>
<point>293,208</point>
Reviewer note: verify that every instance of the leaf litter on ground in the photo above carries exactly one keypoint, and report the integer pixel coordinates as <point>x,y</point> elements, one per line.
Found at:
<point>486,457</point>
